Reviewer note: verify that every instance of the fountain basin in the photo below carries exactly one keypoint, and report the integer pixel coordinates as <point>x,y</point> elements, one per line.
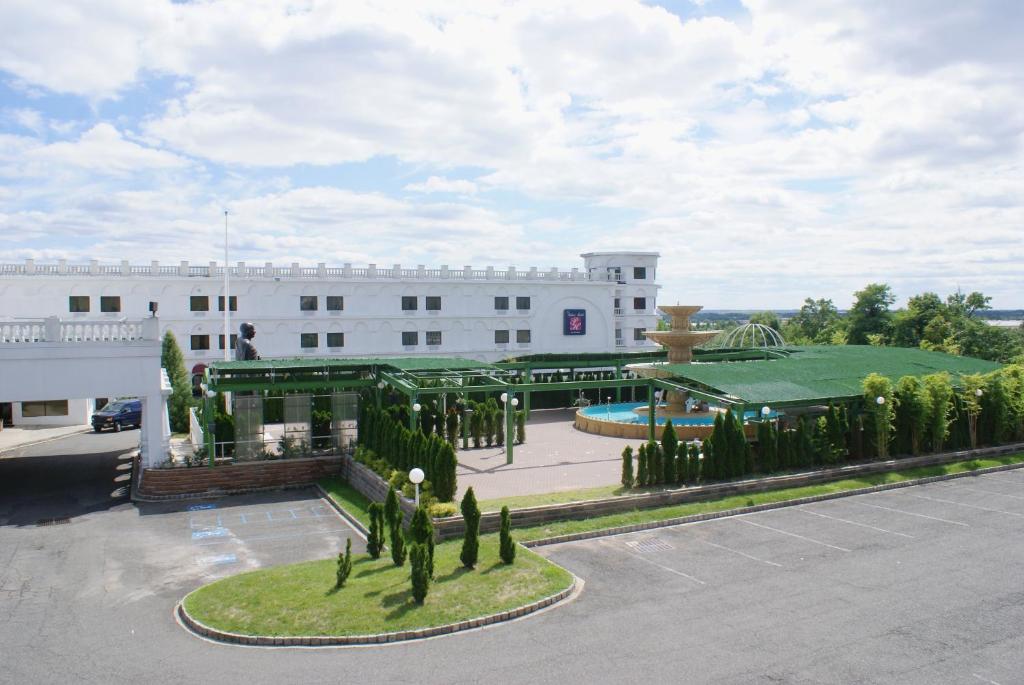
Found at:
<point>629,420</point>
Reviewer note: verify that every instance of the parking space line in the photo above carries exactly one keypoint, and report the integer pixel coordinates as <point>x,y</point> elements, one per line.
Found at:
<point>852,523</point>
<point>795,535</point>
<point>984,680</point>
<point>911,513</point>
<point>654,563</point>
<point>279,536</point>
<point>736,551</point>
<point>971,506</point>
<point>985,492</point>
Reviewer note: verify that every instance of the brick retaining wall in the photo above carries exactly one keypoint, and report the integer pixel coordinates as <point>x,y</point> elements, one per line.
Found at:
<point>233,478</point>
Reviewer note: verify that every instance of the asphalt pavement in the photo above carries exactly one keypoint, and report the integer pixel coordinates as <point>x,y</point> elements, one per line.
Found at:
<point>917,585</point>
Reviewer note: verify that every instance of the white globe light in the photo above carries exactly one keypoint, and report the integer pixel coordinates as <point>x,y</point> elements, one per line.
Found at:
<point>416,407</point>
<point>380,385</point>
<point>978,392</point>
<point>211,394</point>
<point>765,410</point>
<point>515,401</point>
<point>416,476</point>
<point>504,397</point>
<point>880,400</point>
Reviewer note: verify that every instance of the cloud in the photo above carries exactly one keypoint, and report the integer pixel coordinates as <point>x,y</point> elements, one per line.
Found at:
<point>439,184</point>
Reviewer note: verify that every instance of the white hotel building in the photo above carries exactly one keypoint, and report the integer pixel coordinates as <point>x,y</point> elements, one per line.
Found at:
<point>321,311</point>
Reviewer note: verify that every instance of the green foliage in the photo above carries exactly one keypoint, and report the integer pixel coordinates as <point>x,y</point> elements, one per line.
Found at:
<point>876,386</point>
<point>654,459</point>
<point>642,471</point>
<point>767,318</point>
<point>397,539</point>
<point>506,547</point>
<point>421,532</point>
<point>375,540</point>
<point>669,443</point>
<point>419,560</point>
<point>870,313</point>
<point>476,426</point>
<point>970,392</point>
<point>911,415</point>
<point>180,401</point>
<point>814,324</point>
<point>344,565</point>
<point>381,433</point>
<point>451,421</point>
<point>693,475</point>
<point>499,428</point>
<point>521,426</point>
<point>440,510</point>
<point>471,537</point>
<point>627,467</point>
<point>939,390</point>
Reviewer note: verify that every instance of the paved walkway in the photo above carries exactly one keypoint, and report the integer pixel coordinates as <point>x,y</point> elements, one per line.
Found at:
<point>555,457</point>
<point>22,436</point>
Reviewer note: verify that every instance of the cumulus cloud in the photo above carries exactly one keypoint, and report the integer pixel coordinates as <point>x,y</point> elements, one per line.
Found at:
<point>439,184</point>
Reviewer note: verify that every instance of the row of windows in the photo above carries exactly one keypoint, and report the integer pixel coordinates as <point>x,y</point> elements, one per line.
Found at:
<point>638,303</point>
<point>81,303</point>
<point>201,303</point>
<point>311,303</point>
<point>409,339</point>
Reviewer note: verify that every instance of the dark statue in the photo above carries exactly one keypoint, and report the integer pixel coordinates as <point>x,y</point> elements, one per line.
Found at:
<point>244,349</point>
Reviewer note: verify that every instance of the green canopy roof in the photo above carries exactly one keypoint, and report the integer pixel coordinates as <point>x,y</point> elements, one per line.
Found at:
<point>820,373</point>
<point>355,363</point>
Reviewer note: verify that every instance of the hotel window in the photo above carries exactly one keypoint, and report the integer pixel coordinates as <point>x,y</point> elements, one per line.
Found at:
<point>78,303</point>
<point>501,303</point>
<point>638,334</point>
<point>501,337</point>
<point>308,303</point>
<point>233,303</point>
<point>639,303</point>
<point>335,303</point>
<point>44,408</point>
<point>523,336</point>
<point>433,303</point>
<point>220,341</point>
<point>409,303</point>
<point>199,303</point>
<point>410,338</point>
<point>433,337</point>
<point>200,342</point>
<point>309,340</point>
<point>522,303</point>
<point>335,339</point>
<point>639,273</point>
<point>110,303</point>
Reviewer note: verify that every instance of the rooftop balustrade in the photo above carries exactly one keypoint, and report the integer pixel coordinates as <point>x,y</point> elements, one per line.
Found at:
<point>55,330</point>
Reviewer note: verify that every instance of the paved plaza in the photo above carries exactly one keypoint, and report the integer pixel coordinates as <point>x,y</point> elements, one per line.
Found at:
<point>555,457</point>
<point>915,585</point>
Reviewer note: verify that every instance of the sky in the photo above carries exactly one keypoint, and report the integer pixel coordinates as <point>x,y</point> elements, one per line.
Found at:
<point>769,150</point>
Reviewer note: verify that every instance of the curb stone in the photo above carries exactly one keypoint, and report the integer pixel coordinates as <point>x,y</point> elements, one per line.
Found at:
<point>694,518</point>
<point>203,630</point>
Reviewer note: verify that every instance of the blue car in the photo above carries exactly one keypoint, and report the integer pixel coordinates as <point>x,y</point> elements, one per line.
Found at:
<point>117,415</point>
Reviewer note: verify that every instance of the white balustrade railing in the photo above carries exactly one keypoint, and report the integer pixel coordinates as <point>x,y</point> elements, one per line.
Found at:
<point>29,268</point>
<point>53,329</point>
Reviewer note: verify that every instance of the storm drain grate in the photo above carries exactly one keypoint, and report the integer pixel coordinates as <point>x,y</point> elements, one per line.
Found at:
<point>647,545</point>
<point>53,522</point>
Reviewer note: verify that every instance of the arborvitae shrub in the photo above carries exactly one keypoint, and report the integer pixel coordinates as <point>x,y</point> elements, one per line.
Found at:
<point>375,540</point>
<point>693,475</point>
<point>641,466</point>
<point>506,548</point>
<point>521,426</point>
<point>344,565</point>
<point>397,539</point>
<point>654,458</point>
<point>418,560</point>
<point>421,532</point>
<point>452,427</point>
<point>471,538</point>
<point>392,511</point>
<point>499,429</point>
<point>627,467</point>
<point>669,442</point>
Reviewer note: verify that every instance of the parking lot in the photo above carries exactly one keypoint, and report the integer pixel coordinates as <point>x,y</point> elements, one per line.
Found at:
<point>922,584</point>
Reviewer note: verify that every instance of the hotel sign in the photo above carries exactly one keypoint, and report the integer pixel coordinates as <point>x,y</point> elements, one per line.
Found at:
<point>574,322</point>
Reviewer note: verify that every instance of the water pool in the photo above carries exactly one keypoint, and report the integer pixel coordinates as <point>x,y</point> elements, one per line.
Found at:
<point>622,412</point>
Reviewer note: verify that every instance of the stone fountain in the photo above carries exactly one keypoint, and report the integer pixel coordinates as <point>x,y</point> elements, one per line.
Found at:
<point>680,342</point>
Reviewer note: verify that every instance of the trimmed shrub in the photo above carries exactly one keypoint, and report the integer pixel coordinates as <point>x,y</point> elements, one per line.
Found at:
<point>641,466</point>
<point>875,386</point>
<point>451,422</point>
<point>506,547</point>
<point>471,538</point>
<point>397,545</point>
<point>627,467</point>
<point>375,540</point>
<point>693,475</point>
<point>521,426</point>
<point>419,561</point>
<point>654,469</point>
<point>344,565</point>
<point>669,444</point>
<point>421,532</point>
<point>499,429</point>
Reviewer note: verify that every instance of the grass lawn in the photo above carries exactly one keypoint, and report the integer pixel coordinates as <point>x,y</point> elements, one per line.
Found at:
<point>348,498</point>
<point>300,600</point>
<point>660,514</point>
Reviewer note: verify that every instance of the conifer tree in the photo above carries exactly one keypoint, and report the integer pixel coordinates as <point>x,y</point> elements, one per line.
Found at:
<point>344,565</point>
<point>452,427</point>
<point>521,426</point>
<point>172,360</point>
<point>627,467</point>
<point>669,442</point>
<point>393,518</point>
<point>641,465</point>
<point>682,457</point>
<point>654,459</point>
<point>421,532</point>
<point>420,576</point>
<point>506,546</point>
<point>693,465</point>
<point>471,538</point>
<point>375,540</point>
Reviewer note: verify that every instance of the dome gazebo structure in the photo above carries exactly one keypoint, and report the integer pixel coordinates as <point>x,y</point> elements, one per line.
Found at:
<point>751,336</point>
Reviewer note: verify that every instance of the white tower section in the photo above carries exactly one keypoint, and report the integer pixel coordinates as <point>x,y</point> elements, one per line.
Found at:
<point>635,295</point>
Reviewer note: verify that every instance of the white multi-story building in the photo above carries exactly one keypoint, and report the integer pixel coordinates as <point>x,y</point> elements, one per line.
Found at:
<point>319,311</point>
